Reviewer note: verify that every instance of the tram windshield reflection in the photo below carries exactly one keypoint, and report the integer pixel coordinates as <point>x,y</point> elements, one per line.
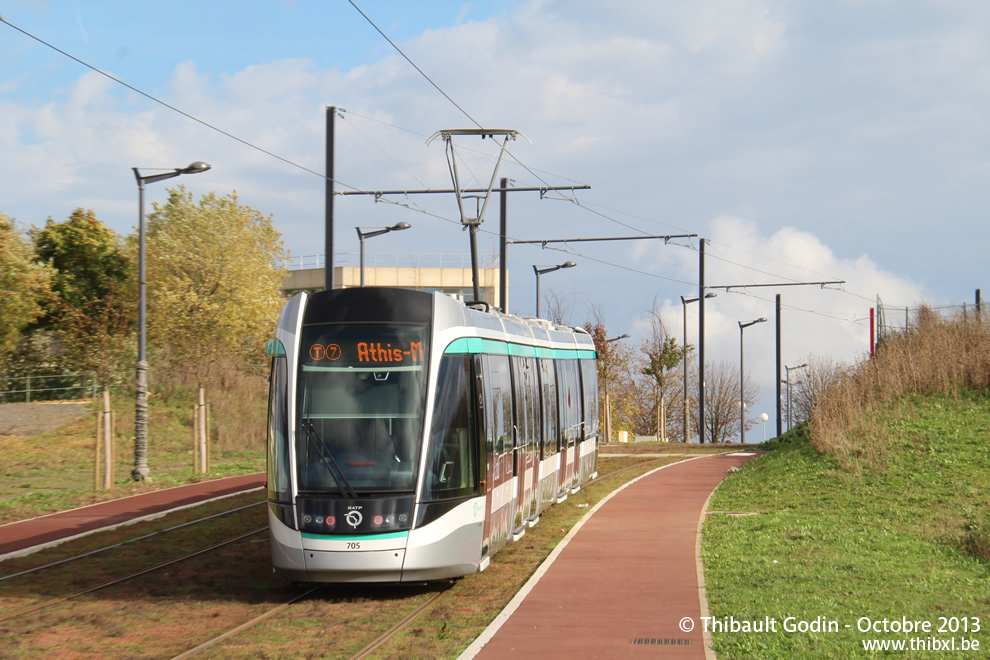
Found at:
<point>360,407</point>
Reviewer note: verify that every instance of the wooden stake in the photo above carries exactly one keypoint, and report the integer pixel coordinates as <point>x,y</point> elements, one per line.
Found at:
<point>99,442</point>
<point>209,450</point>
<point>195,439</point>
<point>202,431</point>
<point>107,442</point>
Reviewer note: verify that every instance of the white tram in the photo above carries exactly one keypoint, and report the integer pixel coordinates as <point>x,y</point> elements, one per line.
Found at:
<point>411,436</point>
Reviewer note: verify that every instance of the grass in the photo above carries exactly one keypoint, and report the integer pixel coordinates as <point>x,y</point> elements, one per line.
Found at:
<point>907,538</point>
<point>53,471</point>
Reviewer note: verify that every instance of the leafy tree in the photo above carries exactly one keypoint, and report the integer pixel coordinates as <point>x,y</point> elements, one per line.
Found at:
<point>23,283</point>
<point>91,308</point>
<point>88,262</point>
<point>613,382</point>
<point>662,356</point>
<point>215,271</point>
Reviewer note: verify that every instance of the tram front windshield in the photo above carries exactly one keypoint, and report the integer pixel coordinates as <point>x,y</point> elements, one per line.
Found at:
<point>360,407</point>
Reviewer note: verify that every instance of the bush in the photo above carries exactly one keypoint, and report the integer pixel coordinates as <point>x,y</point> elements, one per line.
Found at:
<point>941,356</point>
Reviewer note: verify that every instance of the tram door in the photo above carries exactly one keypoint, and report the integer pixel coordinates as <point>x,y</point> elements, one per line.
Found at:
<point>488,463</point>
<point>568,405</point>
<point>525,389</point>
<point>497,392</point>
<point>548,456</point>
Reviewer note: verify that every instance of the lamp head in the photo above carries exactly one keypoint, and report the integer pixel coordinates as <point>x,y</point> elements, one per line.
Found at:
<point>195,167</point>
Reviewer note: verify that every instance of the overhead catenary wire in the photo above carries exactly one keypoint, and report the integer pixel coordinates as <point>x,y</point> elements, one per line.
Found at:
<point>292,163</point>
<point>169,106</point>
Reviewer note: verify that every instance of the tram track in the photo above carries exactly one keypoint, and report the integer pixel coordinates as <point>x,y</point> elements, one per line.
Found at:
<point>125,578</point>
<point>395,629</point>
<point>129,541</point>
<point>236,615</point>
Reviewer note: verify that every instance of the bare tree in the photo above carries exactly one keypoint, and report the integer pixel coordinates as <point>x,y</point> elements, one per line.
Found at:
<point>559,308</point>
<point>722,417</point>
<point>821,374</point>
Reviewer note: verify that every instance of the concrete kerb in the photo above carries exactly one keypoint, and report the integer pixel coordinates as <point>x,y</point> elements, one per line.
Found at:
<point>152,516</point>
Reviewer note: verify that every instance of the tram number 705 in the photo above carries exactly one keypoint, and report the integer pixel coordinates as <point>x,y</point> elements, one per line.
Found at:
<point>353,545</point>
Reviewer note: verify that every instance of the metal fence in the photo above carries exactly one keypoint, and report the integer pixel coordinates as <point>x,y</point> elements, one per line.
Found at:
<point>51,387</point>
<point>892,321</point>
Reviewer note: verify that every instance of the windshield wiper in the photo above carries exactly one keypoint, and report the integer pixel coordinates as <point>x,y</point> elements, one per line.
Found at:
<point>325,454</point>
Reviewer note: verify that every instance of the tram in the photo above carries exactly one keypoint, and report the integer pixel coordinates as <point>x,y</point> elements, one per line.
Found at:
<point>411,436</point>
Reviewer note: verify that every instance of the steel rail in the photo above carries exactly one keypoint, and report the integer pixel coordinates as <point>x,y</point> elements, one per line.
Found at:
<point>115,581</point>
<point>129,541</point>
<point>401,625</point>
<point>244,626</point>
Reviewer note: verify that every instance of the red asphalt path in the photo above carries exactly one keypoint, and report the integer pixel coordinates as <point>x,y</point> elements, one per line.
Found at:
<point>28,535</point>
<point>625,580</point>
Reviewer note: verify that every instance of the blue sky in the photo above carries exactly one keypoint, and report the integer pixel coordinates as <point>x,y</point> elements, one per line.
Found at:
<point>808,141</point>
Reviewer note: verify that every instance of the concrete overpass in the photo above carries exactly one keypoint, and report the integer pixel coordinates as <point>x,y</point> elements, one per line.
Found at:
<point>449,274</point>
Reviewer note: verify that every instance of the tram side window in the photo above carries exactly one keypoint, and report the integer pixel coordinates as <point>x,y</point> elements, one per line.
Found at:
<point>589,382</point>
<point>498,401</point>
<point>453,460</point>
<point>527,398</point>
<point>548,384</point>
<point>278,437</point>
<point>568,391</point>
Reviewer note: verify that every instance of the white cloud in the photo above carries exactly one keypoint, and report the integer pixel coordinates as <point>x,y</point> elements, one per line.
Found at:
<point>830,321</point>
<point>809,149</point>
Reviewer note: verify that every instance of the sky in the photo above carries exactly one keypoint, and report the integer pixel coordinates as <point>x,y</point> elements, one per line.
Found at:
<point>806,141</point>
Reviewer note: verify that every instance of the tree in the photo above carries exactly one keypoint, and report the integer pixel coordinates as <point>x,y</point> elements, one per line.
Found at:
<point>559,307</point>
<point>91,308</point>
<point>24,283</point>
<point>722,416</point>
<point>613,366</point>
<point>215,273</point>
<point>662,357</point>
<point>821,374</point>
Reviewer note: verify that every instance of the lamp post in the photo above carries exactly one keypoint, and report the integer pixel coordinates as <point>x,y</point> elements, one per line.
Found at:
<point>540,271</point>
<point>608,405</point>
<point>684,304</point>
<point>141,471</point>
<point>742,379</point>
<point>788,370</point>
<point>763,418</point>
<point>371,234</point>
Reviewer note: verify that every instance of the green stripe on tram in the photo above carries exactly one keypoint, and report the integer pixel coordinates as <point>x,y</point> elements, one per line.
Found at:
<point>362,537</point>
<point>496,347</point>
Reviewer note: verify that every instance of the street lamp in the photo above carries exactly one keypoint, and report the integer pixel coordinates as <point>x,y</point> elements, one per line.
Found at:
<point>541,271</point>
<point>141,471</point>
<point>763,418</point>
<point>684,304</point>
<point>378,232</point>
<point>788,370</point>
<point>742,379</point>
<point>608,407</point>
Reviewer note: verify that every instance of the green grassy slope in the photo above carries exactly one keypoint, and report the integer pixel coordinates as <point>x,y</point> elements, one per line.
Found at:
<point>908,539</point>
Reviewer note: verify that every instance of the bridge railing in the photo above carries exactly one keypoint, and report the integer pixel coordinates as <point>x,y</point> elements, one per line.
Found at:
<point>382,260</point>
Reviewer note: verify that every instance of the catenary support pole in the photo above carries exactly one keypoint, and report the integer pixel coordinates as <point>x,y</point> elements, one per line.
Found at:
<point>701,342</point>
<point>503,276</point>
<point>328,202</point>
<point>779,364</point>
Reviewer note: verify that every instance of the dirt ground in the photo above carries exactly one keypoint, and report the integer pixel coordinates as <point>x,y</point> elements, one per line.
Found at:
<point>33,418</point>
